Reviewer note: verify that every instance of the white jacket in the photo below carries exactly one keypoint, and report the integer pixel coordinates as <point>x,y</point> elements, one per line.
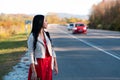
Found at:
<point>40,48</point>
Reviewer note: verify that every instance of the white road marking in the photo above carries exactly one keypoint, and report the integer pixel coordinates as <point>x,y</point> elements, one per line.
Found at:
<point>92,45</point>
<point>117,36</point>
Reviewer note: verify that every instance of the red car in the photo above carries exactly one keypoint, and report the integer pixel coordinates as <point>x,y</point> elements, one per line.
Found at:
<point>79,28</point>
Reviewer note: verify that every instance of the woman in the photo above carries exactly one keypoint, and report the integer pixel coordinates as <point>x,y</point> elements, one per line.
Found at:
<point>42,56</point>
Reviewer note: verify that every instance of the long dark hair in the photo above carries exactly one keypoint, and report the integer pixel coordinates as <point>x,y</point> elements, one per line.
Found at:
<point>36,28</point>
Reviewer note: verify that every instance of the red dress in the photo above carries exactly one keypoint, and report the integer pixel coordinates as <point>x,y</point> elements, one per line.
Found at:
<point>43,68</point>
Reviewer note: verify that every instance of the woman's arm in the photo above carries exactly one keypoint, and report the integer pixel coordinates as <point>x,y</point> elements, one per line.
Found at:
<point>34,73</point>
<point>54,55</point>
<point>32,65</point>
<point>31,57</point>
<point>55,66</point>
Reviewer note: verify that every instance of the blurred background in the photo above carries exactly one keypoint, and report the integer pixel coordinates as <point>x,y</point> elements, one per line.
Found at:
<point>97,14</point>
<point>16,19</point>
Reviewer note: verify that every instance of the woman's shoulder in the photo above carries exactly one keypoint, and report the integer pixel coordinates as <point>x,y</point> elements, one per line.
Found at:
<point>30,36</point>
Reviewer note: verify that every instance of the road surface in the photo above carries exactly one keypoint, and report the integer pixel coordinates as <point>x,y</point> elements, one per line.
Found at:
<point>95,56</point>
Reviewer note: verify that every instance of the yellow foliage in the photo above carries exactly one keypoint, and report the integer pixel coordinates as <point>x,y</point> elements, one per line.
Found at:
<point>7,32</point>
<point>4,34</point>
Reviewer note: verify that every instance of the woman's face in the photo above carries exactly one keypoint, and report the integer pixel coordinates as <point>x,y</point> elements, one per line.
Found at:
<point>45,24</point>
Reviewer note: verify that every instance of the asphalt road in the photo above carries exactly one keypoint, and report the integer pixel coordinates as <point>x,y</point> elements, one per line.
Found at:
<point>95,56</point>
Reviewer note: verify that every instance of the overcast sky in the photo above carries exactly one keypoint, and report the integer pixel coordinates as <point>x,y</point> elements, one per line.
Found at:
<point>81,7</point>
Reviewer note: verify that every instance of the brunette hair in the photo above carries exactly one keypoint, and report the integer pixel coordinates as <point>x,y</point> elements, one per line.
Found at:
<point>36,28</point>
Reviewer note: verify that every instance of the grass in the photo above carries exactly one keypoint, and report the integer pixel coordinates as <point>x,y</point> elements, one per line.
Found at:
<point>11,51</point>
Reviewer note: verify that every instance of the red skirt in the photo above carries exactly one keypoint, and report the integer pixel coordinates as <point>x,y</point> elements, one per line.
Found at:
<point>43,69</point>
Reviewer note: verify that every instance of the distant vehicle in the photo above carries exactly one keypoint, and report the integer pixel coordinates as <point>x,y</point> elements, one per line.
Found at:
<point>79,28</point>
<point>70,26</point>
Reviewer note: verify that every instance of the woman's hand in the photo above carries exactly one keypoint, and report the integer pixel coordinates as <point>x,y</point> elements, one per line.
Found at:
<point>34,76</point>
<point>55,66</point>
<point>34,73</point>
<point>56,69</point>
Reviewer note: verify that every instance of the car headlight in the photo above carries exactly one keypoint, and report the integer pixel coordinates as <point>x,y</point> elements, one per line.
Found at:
<point>84,28</point>
<point>74,28</point>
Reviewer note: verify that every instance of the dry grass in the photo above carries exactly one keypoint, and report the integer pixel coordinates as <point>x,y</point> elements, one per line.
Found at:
<point>11,50</point>
<point>6,32</point>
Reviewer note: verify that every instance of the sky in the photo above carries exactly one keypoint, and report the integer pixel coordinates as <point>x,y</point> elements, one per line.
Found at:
<point>81,7</point>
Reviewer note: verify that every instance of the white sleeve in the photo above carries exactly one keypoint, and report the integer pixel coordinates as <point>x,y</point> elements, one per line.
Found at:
<point>30,48</point>
<point>53,52</point>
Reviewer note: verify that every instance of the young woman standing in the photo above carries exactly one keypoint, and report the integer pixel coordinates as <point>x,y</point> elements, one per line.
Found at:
<point>42,55</point>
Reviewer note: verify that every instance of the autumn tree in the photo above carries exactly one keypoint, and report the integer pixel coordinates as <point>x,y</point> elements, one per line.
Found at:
<point>105,15</point>
<point>53,18</point>
<point>12,23</point>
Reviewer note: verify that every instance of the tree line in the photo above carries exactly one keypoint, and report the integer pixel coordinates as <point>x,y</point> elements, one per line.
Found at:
<point>13,23</point>
<point>105,15</point>
<point>8,20</point>
<point>54,18</point>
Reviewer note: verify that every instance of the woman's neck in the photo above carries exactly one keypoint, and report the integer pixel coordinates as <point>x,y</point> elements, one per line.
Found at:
<point>42,31</point>
<point>42,34</point>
